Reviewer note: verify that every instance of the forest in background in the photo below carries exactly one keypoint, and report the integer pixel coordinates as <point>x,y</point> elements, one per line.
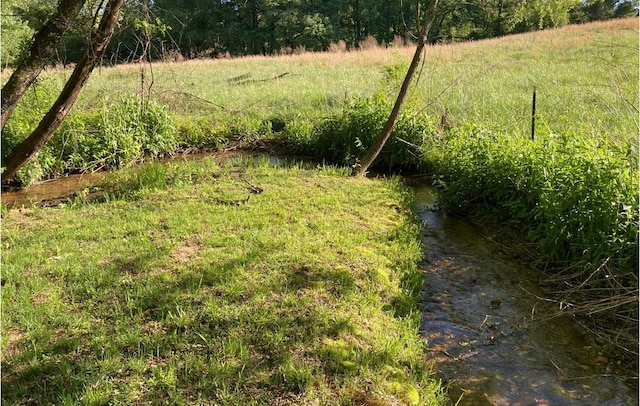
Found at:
<point>177,30</point>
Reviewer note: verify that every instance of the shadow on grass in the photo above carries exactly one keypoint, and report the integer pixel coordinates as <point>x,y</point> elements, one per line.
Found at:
<point>201,332</point>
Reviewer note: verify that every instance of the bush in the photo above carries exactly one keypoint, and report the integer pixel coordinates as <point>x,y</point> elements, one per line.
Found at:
<point>578,197</point>
<point>116,135</point>
<point>119,134</point>
<point>344,139</point>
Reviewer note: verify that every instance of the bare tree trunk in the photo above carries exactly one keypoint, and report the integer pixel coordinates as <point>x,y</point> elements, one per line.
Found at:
<point>41,51</point>
<point>93,53</point>
<point>373,152</point>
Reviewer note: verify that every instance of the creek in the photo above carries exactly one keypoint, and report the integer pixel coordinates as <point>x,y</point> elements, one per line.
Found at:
<point>54,191</point>
<point>492,338</point>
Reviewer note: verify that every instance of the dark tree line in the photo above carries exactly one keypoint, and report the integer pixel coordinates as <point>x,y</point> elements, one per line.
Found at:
<point>214,28</point>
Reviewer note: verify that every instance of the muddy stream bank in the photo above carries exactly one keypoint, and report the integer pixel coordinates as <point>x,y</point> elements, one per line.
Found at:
<point>491,337</point>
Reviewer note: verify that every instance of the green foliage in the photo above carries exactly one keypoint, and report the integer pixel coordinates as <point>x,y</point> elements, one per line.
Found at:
<point>25,118</point>
<point>200,132</point>
<point>300,136</point>
<point>392,76</point>
<point>15,33</point>
<point>116,135</point>
<point>578,196</point>
<point>213,132</point>
<point>344,139</point>
<point>238,27</point>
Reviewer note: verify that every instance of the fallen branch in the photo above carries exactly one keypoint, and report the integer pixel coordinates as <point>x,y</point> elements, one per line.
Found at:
<point>245,82</point>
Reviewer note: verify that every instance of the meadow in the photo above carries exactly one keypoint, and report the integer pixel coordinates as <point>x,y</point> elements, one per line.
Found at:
<point>571,196</point>
<point>586,78</point>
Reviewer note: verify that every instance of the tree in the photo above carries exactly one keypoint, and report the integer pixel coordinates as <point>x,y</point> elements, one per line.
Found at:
<point>594,10</point>
<point>42,50</point>
<point>14,31</point>
<point>423,29</point>
<point>94,50</point>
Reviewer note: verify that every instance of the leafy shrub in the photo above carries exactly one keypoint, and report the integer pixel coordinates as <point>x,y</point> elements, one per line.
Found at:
<point>579,197</point>
<point>392,76</point>
<point>122,133</point>
<point>346,138</point>
<point>114,136</point>
<point>24,119</point>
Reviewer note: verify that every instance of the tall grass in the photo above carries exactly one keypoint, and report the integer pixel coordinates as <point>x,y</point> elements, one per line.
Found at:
<point>586,76</point>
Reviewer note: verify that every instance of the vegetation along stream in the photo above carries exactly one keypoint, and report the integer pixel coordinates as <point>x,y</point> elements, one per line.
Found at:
<point>493,339</point>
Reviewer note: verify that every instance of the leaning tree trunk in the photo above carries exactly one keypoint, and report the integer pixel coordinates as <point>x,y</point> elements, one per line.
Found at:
<point>41,51</point>
<point>93,53</point>
<point>372,153</point>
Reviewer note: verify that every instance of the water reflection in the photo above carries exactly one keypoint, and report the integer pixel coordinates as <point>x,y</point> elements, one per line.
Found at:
<point>491,339</point>
<point>50,189</point>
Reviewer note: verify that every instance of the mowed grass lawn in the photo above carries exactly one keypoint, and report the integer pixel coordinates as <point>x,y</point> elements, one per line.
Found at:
<point>179,290</point>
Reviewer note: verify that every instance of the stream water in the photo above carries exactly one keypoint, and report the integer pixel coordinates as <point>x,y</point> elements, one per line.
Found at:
<point>50,192</point>
<point>493,341</point>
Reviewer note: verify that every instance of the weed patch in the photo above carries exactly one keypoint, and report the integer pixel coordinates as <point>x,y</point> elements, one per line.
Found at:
<point>116,135</point>
<point>345,139</point>
<point>575,197</point>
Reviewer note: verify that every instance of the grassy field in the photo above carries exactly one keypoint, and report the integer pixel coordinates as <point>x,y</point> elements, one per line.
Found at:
<point>184,287</point>
<point>586,78</point>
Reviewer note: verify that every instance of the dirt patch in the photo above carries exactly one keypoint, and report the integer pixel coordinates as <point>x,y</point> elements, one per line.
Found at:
<point>185,253</point>
<point>11,348</point>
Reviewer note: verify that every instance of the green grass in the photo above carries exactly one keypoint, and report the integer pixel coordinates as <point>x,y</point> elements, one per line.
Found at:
<point>177,290</point>
<point>586,77</point>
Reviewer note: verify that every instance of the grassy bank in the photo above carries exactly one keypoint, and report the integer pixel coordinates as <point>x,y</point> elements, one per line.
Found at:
<point>189,288</point>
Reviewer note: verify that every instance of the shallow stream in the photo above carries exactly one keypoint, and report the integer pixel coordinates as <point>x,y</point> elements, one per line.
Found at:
<point>492,337</point>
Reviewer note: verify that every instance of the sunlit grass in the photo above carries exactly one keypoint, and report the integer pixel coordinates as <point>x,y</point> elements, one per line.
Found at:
<point>183,287</point>
<point>586,77</point>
